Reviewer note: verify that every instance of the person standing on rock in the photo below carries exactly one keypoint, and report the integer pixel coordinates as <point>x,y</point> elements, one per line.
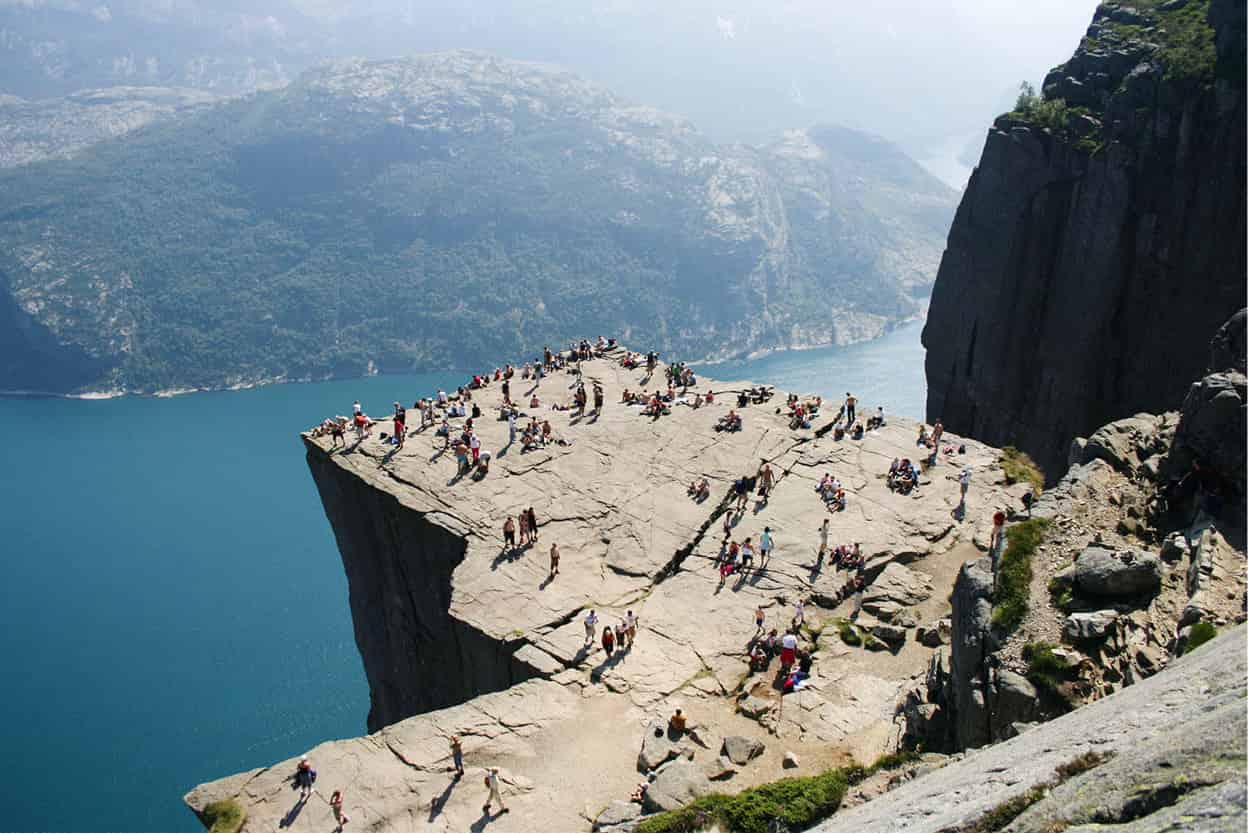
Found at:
<point>554,560</point>
<point>305,778</point>
<point>509,534</point>
<point>788,650</point>
<point>767,480</point>
<point>760,617</point>
<point>964,482</point>
<point>335,804</point>
<point>799,613</point>
<point>996,541</point>
<point>492,782</point>
<point>591,624</point>
<point>511,425</point>
<point>858,584</point>
<point>765,546</point>
<point>630,627</point>
<point>524,528</point>
<point>532,524</point>
<point>474,443</point>
<point>457,755</point>
<point>747,555</point>
<point>608,640</point>
<point>400,424</point>
<point>851,404</point>
<point>823,537</point>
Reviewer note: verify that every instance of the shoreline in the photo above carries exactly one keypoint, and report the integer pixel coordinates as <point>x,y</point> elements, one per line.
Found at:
<point>169,393</point>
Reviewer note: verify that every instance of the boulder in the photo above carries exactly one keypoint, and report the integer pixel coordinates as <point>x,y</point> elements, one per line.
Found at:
<point>895,589</point>
<point>1121,443</point>
<point>676,783</point>
<point>1175,548</point>
<point>893,635</point>
<point>1089,625</point>
<point>657,747</point>
<point>1014,702</point>
<point>754,707</point>
<point>1212,429</point>
<point>933,634</point>
<point>1229,347</point>
<point>740,749</point>
<point>1102,572</point>
<point>970,642</point>
<point>719,768</point>
<point>617,813</point>
<point>791,760</point>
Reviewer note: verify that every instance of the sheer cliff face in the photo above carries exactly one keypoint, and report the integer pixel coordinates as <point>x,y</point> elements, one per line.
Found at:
<point>1100,242</point>
<point>399,564</point>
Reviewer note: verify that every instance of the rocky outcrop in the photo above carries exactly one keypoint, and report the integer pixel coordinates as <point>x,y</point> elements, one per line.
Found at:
<point>399,565</point>
<point>1168,749</point>
<point>442,608</point>
<point>1095,252</point>
<point>1101,572</point>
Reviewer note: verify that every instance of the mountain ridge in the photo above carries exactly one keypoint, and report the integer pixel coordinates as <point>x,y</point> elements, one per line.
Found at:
<point>281,236</point>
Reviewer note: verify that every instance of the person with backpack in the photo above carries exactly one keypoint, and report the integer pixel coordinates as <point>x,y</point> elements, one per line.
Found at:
<point>305,778</point>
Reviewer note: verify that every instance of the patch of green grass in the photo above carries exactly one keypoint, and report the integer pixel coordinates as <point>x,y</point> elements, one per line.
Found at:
<point>223,816</point>
<point>1082,764</point>
<point>796,802</point>
<point>1187,39</point>
<point>1061,595</point>
<point>997,818</point>
<point>1044,668</point>
<point>849,634</point>
<point>1200,634</point>
<point>875,644</point>
<point>1020,468</point>
<point>892,761</point>
<point>1010,602</point>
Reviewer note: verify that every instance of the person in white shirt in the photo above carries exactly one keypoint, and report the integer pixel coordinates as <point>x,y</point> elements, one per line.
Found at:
<point>591,624</point>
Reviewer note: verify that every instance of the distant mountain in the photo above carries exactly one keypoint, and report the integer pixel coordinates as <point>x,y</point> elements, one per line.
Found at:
<point>739,70</point>
<point>444,211</point>
<point>60,127</point>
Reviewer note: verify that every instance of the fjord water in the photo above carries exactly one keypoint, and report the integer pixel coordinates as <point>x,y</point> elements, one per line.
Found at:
<point>174,608</point>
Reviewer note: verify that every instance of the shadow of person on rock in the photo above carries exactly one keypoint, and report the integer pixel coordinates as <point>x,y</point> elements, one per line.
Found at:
<point>482,821</point>
<point>293,813</point>
<point>611,662</point>
<point>439,802</point>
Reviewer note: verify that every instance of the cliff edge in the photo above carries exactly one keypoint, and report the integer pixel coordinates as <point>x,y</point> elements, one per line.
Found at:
<point>1100,241</point>
<point>460,634</point>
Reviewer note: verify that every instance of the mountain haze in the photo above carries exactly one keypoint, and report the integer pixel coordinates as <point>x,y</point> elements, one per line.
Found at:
<point>439,212</point>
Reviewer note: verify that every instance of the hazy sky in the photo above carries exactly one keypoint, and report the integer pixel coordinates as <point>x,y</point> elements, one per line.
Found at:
<point>928,74</point>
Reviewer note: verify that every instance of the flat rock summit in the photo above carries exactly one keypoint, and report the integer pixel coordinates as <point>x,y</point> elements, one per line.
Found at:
<point>461,635</point>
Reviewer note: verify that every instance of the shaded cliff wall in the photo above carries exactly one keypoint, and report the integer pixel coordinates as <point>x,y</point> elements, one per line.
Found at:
<point>399,565</point>
<point>1087,268</point>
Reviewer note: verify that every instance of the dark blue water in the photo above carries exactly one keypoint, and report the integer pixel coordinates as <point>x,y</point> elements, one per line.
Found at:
<point>174,609</point>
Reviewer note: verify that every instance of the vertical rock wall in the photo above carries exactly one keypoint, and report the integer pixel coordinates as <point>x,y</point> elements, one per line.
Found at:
<point>399,565</point>
<point>1083,283</point>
